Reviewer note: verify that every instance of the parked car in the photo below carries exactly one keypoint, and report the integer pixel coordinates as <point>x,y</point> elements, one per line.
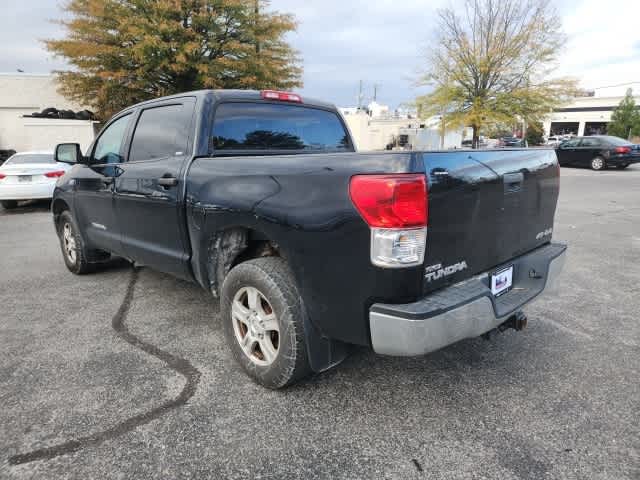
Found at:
<point>261,199</point>
<point>512,142</point>
<point>29,176</point>
<point>597,152</point>
<point>554,141</point>
<point>482,143</point>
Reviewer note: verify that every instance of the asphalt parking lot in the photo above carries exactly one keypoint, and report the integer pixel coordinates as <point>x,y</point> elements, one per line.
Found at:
<point>124,374</point>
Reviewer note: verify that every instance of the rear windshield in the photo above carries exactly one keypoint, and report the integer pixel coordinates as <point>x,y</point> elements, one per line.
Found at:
<point>617,141</point>
<point>27,158</point>
<point>265,126</point>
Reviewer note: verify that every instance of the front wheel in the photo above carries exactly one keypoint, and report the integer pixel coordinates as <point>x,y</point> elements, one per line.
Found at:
<point>73,251</point>
<point>598,163</point>
<point>262,317</point>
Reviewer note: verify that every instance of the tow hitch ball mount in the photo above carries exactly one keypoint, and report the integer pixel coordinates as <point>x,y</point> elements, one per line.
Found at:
<point>517,321</point>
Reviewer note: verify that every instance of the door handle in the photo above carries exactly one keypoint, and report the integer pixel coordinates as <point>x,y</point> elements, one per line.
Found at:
<point>513,182</point>
<point>167,181</point>
<point>107,180</point>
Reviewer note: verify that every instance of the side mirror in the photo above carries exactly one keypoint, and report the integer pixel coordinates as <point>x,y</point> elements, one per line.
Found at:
<point>68,153</point>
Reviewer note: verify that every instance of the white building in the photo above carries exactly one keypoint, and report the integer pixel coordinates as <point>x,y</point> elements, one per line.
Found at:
<point>23,94</point>
<point>377,110</point>
<point>377,132</point>
<point>583,116</point>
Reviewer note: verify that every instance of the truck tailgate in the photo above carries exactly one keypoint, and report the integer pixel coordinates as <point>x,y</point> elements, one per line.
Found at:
<point>485,208</point>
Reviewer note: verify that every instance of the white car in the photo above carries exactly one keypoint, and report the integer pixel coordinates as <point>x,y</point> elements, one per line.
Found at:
<point>554,141</point>
<point>29,176</point>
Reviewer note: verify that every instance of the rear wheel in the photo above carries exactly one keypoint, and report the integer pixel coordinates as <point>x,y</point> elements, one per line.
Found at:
<point>262,317</point>
<point>598,163</point>
<point>9,204</point>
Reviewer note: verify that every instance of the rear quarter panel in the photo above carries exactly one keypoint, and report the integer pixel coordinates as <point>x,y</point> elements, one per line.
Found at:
<point>302,203</point>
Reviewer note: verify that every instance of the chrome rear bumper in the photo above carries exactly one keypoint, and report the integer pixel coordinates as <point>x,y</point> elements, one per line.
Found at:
<point>464,310</point>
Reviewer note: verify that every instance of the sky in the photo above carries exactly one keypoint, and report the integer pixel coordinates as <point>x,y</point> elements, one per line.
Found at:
<point>381,42</point>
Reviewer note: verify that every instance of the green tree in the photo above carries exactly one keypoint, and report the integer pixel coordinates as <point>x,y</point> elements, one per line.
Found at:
<point>535,133</point>
<point>625,119</point>
<point>490,64</point>
<point>126,51</point>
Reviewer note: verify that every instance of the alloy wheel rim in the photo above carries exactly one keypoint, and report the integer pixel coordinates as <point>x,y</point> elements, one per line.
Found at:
<point>597,163</point>
<point>69,242</point>
<point>255,326</point>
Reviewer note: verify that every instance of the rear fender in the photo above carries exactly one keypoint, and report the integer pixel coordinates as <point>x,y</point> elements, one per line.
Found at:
<point>224,250</point>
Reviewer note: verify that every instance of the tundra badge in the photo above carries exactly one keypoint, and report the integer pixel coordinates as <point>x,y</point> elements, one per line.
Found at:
<point>437,271</point>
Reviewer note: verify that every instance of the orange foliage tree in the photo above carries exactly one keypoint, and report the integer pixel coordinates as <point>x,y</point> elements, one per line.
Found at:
<point>126,51</point>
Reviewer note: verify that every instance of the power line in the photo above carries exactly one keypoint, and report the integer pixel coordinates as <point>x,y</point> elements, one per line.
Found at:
<point>618,85</point>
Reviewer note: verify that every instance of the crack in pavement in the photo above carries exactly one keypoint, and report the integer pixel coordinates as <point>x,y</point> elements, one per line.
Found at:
<point>180,365</point>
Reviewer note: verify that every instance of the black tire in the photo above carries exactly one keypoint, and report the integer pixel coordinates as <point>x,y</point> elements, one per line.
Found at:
<point>622,167</point>
<point>598,163</point>
<point>9,204</point>
<point>79,262</point>
<point>274,281</point>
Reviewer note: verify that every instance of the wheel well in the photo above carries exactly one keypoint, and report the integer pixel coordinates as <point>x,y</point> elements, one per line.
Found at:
<point>57,208</point>
<point>257,248</point>
<point>231,247</point>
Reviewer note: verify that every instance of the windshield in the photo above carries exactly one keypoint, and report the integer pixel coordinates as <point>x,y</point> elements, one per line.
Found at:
<point>29,158</point>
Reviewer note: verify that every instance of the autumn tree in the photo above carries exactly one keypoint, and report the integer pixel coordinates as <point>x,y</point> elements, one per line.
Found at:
<point>625,119</point>
<point>535,134</point>
<point>126,51</point>
<point>490,63</point>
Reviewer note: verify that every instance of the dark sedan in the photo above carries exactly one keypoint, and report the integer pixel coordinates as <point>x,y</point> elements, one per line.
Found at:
<point>511,142</point>
<point>597,152</point>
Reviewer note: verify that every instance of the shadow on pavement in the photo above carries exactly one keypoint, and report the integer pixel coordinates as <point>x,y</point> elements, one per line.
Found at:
<point>30,206</point>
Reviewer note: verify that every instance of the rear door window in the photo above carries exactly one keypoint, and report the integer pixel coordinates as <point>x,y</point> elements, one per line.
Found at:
<point>590,142</point>
<point>161,132</point>
<point>571,143</point>
<point>263,126</point>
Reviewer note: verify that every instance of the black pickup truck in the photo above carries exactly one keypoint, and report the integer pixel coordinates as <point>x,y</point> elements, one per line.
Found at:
<point>261,198</point>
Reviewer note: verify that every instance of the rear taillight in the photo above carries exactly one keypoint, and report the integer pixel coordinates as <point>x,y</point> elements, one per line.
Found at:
<point>396,209</point>
<point>2,176</point>
<point>281,96</point>
<point>56,174</point>
<point>622,149</point>
<point>390,201</point>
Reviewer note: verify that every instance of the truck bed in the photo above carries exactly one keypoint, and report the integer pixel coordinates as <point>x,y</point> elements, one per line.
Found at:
<point>484,208</point>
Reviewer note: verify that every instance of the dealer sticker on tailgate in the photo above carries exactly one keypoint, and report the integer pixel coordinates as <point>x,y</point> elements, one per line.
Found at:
<point>501,281</point>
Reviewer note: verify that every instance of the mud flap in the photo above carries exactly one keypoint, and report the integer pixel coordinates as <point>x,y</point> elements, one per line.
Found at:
<point>324,353</point>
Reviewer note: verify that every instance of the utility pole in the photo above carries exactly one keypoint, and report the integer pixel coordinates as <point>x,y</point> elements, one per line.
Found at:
<point>360,96</point>
<point>375,91</point>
